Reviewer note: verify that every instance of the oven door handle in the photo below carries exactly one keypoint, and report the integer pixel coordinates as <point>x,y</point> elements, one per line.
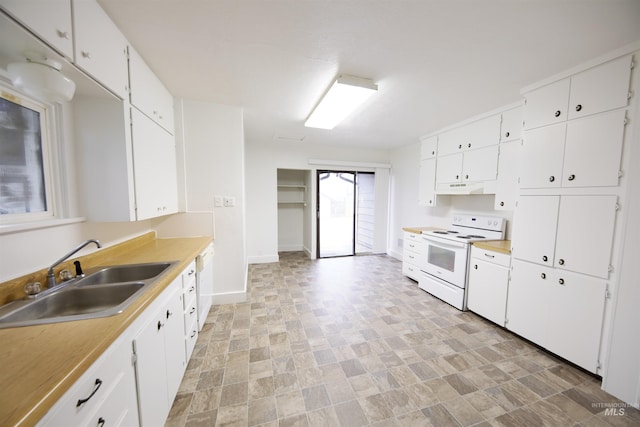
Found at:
<point>442,243</point>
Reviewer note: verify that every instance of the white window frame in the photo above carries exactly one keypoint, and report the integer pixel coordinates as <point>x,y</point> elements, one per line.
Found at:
<point>48,143</point>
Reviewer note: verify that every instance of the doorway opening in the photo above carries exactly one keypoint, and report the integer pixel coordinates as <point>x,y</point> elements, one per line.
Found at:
<point>345,212</point>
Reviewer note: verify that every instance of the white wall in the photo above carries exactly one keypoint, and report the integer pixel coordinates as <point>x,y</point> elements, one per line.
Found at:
<point>212,144</point>
<point>263,159</point>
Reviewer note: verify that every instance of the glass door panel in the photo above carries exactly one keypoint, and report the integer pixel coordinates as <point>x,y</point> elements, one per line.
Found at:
<point>336,208</point>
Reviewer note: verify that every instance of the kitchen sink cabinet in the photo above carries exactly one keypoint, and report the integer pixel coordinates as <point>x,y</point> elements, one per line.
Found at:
<point>160,358</point>
<point>488,284</point>
<point>601,88</point>
<point>148,93</point>
<point>155,173</point>
<point>412,254</point>
<point>100,47</point>
<point>106,391</point>
<point>558,231</point>
<point>558,310</point>
<point>49,19</point>
<point>581,153</point>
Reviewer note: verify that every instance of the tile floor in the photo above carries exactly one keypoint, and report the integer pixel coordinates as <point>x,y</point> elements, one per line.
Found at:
<point>351,342</point>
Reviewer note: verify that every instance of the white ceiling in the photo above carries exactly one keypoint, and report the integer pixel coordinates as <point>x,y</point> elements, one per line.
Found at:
<point>435,61</point>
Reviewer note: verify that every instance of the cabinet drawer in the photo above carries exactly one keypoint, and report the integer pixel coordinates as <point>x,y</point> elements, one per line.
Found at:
<point>411,257</point>
<point>415,237</point>
<point>190,316</point>
<point>413,246</point>
<point>494,257</point>
<point>410,270</point>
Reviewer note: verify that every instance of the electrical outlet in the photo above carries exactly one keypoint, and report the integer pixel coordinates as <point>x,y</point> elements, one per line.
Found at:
<point>217,201</point>
<point>229,201</point>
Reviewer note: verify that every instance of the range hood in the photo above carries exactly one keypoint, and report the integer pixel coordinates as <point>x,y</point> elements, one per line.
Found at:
<point>460,188</point>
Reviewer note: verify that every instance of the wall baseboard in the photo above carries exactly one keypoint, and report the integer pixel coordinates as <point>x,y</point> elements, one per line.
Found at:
<point>290,248</point>
<point>229,298</point>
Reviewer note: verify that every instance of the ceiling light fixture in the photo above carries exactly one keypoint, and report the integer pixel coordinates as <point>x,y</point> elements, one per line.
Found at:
<point>345,95</point>
<point>42,78</point>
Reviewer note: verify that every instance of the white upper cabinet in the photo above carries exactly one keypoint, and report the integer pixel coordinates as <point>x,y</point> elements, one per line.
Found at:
<point>579,153</point>
<point>449,168</point>
<point>511,125</point>
<point>100,47</point>
<point>427,184</point>
<point>506,185</point>
<point>429,147</point>
<point>478,134</point>
<point>148,93</point>
<point>601,88</point>
<point>48,19</point>
<point>546,105</point>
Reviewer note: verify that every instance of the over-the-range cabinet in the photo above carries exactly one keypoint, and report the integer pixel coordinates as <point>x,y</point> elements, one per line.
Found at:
<point>567,210</point>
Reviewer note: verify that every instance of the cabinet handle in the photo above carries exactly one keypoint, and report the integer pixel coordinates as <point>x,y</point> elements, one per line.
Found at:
<point>544,258</point>
<point>160,325</point>
<point>459,146</point>
<point>63,34</point>
<point>191,289</point>
<point>101,422</point>
<point>430,202</point>
<point>475,266</point>
<point>543,275</point>
<point>506,134</point>
<point>571,177</point>
<point>578,107</point>
<point>86,54</point>
<point>97,384</point>
<point>466,176</point>
<point>457,176</point>
<point>469,145</point>
<point>193,310</point>
<point>169,313</point>
<point>552,178</point>
<point>561,281</point>
<point>561,261</point>
<point>501,203</point>
<point>557,113</point>
<point>193,334</point>
<point>433,153</point>
<point>489,255</point>
<point>191,272</point>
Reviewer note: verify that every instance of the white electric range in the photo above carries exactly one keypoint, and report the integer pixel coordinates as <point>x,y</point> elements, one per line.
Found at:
<point>446,255</point>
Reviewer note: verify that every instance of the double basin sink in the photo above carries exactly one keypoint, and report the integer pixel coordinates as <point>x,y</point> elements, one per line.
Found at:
<point>105,292</point>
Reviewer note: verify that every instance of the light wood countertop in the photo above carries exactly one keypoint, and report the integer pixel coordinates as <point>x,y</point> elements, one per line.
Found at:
<point>419,230</point>
<point>40,363</point>
<point>502,246</point>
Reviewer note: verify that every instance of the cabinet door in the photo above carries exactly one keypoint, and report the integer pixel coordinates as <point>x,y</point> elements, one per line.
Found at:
<point>480,165</point>
<point>151,373</point>
<point>506,187</point>
<point>174,349</point>
<point>601,88</point>
<point>511,125</point>
<point>546,105</point>
<point>593,150</point>
<point>449,168</point>
<point>100,47</point>
<point>49,19</point>
<point>585,234</point>
<point>450,142</point>
<point>481,133</point>
<point>429,148</point>
<point>542,157</point>
<point>529,294</point>
<point>427,184</point>
<point>534,231</point>
<point>575,310</point>
<point>487,292</point>
<point>148,93</point>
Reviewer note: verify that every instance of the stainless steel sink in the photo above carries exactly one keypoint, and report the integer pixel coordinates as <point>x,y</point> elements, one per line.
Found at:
<point>124,273</point>
<point>105,292</point>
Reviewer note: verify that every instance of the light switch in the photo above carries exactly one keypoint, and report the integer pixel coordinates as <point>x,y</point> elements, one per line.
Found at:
<point>229,201</point>
<point>217,201</point>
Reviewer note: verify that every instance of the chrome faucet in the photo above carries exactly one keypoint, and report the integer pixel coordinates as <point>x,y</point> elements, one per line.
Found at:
<point>51,277</point>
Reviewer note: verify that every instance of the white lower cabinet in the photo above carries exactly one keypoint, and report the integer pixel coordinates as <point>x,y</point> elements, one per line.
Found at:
<point>558,310</point>
<point>160,357</point>
<point>190,308</point>
<point>104,395</point>
<point>411,255</point>
<point>488,284</point>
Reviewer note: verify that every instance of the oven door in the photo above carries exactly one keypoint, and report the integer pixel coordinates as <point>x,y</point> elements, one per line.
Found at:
<point>446,259</point>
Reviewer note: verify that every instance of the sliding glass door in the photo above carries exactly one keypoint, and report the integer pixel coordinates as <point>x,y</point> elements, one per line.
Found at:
<point>345,213</point>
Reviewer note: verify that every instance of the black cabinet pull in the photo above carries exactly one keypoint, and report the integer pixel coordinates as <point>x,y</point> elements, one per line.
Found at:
<point>459,146</point>
<point>433,153</point>
<point>469,145</point>
<point>543,275</point>
<point>557,113</point>
<point>475,266</point>
<point>506,134</point>
<point>544,258</point>
<point>552,178</point>
<point>457,176</point>
<point>193,334</point>
<point>160,325</point>
<point>561,261</point>
<point>572,177</point>
<point>501,203</point>
<point>466,177</point>
<point>97,384</point>
<point>561,281</point>
<point>101,422</point>
<point>169,314</point>
<point>578,107</point>
<point>193,310</point>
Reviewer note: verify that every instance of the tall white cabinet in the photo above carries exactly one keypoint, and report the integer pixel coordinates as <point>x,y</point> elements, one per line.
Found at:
<point>567,212</point>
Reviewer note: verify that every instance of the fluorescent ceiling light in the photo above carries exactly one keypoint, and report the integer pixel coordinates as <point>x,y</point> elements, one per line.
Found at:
<point>345,95</point>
